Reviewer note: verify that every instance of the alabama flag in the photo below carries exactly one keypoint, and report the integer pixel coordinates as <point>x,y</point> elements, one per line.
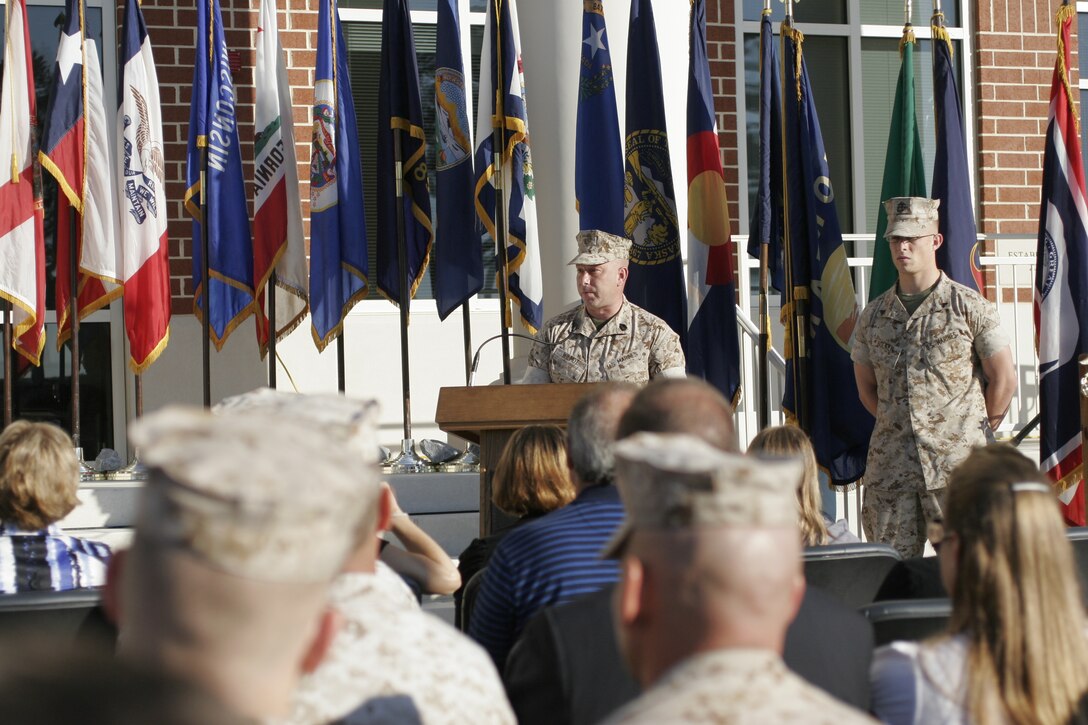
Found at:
<point>22,245</point>
<point>1061,288</point>
<point>141,196</point>
<point>277,218</point>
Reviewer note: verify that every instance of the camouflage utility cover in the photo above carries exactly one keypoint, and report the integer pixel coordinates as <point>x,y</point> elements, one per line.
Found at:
<point>930,409</point>
<point>634,346</point>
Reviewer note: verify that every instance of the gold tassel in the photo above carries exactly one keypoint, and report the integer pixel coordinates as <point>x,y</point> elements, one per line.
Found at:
<point>908,37</point>
<point>941,33</point>
<point>1066,13</point>
<point>798,39</point>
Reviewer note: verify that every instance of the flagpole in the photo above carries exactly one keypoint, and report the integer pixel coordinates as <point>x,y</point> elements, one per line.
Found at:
<point>8,367</point>
<point>340,370</point>
<point>270,290</point>
<point>205,293</point>
<point>764,412</point>
<point>73,317</point>
<point>466,324</point>
<point>498,143</point>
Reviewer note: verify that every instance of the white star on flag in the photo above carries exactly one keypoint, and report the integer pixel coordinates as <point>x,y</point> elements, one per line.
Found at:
<point>69,55</point>
<point>594,41</point>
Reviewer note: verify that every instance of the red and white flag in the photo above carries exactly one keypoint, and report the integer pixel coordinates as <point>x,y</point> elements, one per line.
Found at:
<point>277,217</point>
<point>22,245</point>
<point>142,196</point>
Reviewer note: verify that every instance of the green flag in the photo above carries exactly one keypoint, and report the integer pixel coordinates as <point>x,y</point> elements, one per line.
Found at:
<point>904,174</point>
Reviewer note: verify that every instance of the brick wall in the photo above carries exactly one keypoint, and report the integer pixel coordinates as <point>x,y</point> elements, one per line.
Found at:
<point>722,52</point>
<point>1015,50</point>
<point>173,33</point>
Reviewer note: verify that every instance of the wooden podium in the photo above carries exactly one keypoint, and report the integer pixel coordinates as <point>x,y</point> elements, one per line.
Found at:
<point>489,415</point>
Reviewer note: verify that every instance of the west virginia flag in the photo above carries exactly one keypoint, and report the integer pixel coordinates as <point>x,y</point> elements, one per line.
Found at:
<point>213,147</point>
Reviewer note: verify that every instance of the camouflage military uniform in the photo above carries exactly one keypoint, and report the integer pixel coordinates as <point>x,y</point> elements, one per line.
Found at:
<point>930,410</point>
<point>735,686</point>
<point>634,346</point>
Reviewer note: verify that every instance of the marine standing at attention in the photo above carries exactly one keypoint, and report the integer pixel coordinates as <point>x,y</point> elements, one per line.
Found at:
<point>934,367</point>
<point>606,337</point>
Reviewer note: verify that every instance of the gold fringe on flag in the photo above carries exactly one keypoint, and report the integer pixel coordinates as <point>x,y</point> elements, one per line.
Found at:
<point>1066,13</point>
<point>908,37</point>
<point>936,26</point>
<point>798,39</point>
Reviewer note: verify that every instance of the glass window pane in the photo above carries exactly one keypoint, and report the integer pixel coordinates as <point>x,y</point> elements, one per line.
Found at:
<point>813,11</point>
<point>377,4</point>
<point>44,393</point>
<point>890,12</point>
<point>830,88</point>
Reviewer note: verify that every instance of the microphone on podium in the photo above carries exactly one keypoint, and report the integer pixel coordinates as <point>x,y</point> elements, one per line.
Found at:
<point>476,357</point>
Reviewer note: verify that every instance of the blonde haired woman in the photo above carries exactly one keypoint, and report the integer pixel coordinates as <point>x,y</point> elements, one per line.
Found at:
<point>1016,649</point>
<point>791,441</point>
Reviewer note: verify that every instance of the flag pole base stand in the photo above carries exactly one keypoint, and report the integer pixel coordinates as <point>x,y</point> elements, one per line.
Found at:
<point>467,462</point>
<point>134,471</point>
<point>86,473</point>
<point>407,461</point>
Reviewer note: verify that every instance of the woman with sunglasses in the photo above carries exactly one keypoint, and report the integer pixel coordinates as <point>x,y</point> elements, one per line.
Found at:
<point>1016,648</point>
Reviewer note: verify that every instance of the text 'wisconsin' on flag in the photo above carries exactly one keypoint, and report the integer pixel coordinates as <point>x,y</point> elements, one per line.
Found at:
<point>218,203</point>
<point>338,253</point>
<point>1061,287</point>
<point>141,195</point>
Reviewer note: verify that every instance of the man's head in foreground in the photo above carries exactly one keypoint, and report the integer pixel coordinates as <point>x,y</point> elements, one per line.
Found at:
<point>688,503</point>
<point>601,267</point>
<point>681,405</point>
<point>591,432</point>
<point>245,520</point>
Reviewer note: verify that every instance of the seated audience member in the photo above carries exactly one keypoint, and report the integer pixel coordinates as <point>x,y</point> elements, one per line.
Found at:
<point>557,557</point>
<point>39,481</point>
<point>703,633</point>
<point>817,529</point>
<point>1016,649</point>
<point>244,522</point>
<point>426,566</point>
<point>531,478</point>
<point>566,668</point>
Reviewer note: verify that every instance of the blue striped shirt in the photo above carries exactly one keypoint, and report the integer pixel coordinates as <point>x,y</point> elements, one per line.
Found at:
<point>49,560</point>
<point>550,561</point>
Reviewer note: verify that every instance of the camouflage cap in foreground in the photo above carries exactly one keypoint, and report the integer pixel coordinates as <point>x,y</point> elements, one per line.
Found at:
<point>911,216</point>
<point>673,481</point>
<point>252,494</point>
<point>597,247</point>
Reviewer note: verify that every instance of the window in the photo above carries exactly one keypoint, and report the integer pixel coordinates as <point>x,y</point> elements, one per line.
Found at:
<point>44,393</point>
<point>363,37</point>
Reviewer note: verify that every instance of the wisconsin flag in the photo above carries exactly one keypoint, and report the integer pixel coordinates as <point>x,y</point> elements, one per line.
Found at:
<point>141,195</point>
<point>713,347</point>
<point>338,255</point>
<point>904,172</point>
<point>502,113</point>
<point>224,220</point>
<point>277,215</point>
<point>959,255</point>
<point>821,308</point>
<point>22,243</point>
<point>75,152</point>
<point>458,252</point>
<point>1061,287</point>
<point>656,281</point>
<point>598,165</point>
<point>400,113</point>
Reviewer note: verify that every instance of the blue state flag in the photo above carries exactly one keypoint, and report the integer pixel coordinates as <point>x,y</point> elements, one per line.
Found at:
<point>656,278</point>
<point>766,228</point>
<point>821,307</point>
<point>958,256</point>
<point>598,163</point>
<point>400,113</point>
<point>458,269</point>
<point>713,351</point>
<point>219,208</point>
<point>338,254</point>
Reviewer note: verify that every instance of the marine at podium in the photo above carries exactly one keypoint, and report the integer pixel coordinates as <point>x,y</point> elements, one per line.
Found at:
<point>606,337</point>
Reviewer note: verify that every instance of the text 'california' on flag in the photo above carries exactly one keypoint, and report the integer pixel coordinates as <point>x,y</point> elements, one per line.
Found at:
<point>22,244</point>
<point>500,67</point>
<point>338,254</point>
<point>713,346</point>
<point>458,254</point>
<point>277,215</point>
<point>141,195</point>
<point>400,125</point>
<point>219,209</point>
<point>1061,287</point>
